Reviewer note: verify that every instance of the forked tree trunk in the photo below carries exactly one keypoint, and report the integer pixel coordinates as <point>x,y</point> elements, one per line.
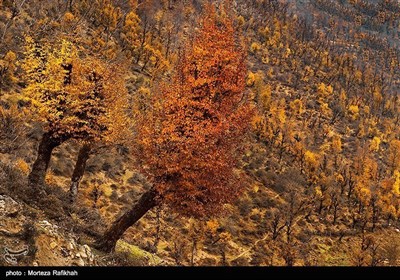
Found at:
<point>79,170</point>
<point>146,202</point>
<point>38,174</point>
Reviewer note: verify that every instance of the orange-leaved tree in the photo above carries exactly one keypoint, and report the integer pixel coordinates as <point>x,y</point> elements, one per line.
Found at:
<point>189,142</point>
<point>74,97</point>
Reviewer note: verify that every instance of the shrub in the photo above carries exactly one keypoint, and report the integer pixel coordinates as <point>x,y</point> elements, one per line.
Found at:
<point>12,129</point>
<point>255,47</point>
<point>21,165</point>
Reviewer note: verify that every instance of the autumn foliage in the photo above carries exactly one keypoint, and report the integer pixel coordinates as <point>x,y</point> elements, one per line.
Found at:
<point>145,108</point>
<point>190,140</point>
<point>74,97</point>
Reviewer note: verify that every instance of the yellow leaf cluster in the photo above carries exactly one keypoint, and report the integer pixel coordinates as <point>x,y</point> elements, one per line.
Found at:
<point>69,17</point>
<point>336,144</point>
<point>251,78</point>
<point>311,159</point>
<point>297,107</point>
<point>73,96</point>
<point>8,66</point>
<point>375,144</point>
<point>212,226</point>
<point>255,47</point>
<point>396,185</point>
<point>354,112</point>
<point>21,165</point>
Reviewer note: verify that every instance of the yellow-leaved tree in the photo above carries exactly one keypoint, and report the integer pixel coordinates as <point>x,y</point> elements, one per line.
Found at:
<point>73,97</point>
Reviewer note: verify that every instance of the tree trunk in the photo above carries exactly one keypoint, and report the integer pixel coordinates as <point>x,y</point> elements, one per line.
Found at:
<point>70,6</point>
<point>158,229</point>
<point>194,245</point>
<point>335,214</point>
<point>37,176</point>
<point>79,170</point>
<point>321,205</point>
<point>146,202</point>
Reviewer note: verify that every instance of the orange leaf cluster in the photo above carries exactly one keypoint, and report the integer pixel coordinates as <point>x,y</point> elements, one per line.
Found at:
<point>189,142</point>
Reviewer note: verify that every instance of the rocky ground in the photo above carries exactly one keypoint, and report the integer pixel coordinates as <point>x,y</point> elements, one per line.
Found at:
<point>39,242</point>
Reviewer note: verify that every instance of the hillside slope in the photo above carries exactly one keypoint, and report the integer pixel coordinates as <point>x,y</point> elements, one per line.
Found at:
<point>322,164</point>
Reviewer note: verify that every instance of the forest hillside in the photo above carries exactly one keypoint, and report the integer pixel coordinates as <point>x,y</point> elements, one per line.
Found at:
<point>200,133</point>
